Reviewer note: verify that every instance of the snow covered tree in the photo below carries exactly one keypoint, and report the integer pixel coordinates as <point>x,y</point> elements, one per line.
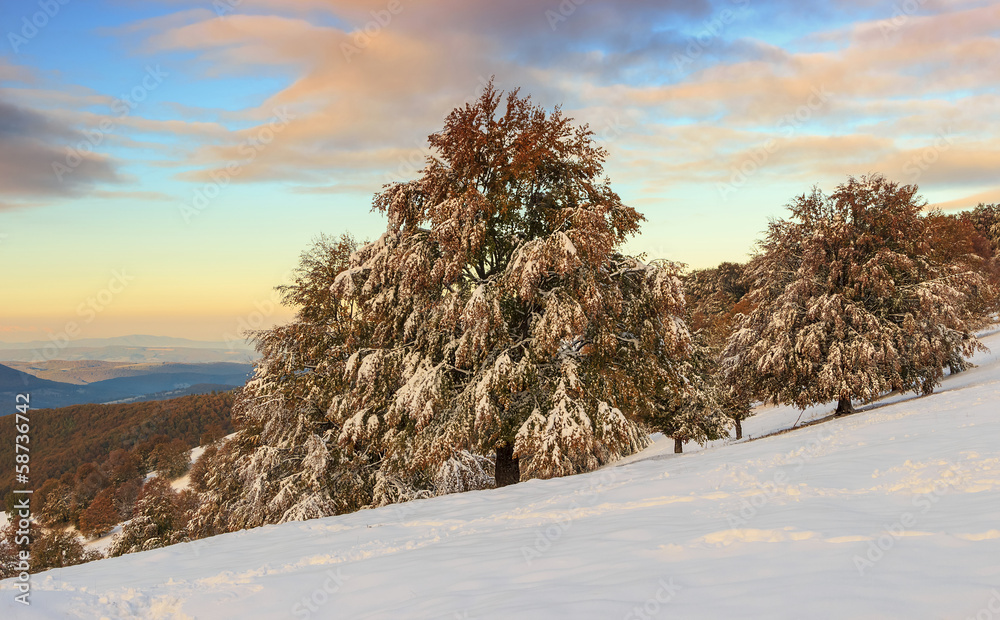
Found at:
<point>955,239</point>
<point>463,472</point>
<point>161,518</point>
<point>694,412</point>
<point>497,315</point>
<point>849,302</point>
<point>715,301</point>
<point>58,505</point>
<point>985,218</point>
<point>49,548</point>
<point>985,222</point>
<point>201,468</point>
<point>284,463</point>
<point>57,549</point>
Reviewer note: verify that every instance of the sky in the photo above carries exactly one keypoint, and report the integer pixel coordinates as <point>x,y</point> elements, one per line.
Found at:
<point>163,163</point>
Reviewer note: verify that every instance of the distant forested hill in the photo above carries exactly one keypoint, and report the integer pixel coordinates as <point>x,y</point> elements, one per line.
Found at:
<point>63,439</point>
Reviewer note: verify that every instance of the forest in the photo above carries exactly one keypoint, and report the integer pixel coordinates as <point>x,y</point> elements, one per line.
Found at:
<point>87,434</point>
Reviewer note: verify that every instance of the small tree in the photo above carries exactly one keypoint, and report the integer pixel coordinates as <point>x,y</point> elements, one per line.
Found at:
<point>849,303</point>
<point>57,549</point>
<point>985,221</point>
<point>122,466</point>
<point>126,495</point>
<point>693,411</point>
<point>715,301</point>
<point>101,516</point>
<point>88,482</point>
<point>58,506</point>
<point>161,519</point>
<point>171,459</point>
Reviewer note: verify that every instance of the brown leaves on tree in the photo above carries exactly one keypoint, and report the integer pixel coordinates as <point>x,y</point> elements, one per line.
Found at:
<point>497,308</point>
<point>852,299</point>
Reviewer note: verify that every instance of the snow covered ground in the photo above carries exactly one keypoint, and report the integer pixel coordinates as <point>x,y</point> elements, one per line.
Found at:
<point>890,513</point>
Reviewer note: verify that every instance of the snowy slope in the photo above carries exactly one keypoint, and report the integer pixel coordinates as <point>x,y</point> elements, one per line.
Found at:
<point>788,526</point>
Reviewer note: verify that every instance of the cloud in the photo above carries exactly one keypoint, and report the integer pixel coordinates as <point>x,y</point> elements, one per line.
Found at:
<point>144,196</point>
<point>368,82</point>
<point>15,73</point>
<point>366,86</point>
<point>33,158</point>
<point>991,196</point>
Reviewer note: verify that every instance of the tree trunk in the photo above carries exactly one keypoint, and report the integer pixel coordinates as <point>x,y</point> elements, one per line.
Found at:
<point>739,429</point>
<point>844,406</point>
<point>507,469</point>
<point>678,445</point>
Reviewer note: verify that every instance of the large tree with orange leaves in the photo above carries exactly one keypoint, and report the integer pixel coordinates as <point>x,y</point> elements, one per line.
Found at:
<point>498,313</point>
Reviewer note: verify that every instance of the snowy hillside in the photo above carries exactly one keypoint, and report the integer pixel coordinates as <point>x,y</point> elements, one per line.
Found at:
<point>893,512</point>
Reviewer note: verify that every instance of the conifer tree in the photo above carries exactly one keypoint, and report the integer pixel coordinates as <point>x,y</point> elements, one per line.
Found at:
<point>849,302</point>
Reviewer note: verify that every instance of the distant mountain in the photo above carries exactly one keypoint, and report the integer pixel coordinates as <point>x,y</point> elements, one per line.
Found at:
<point>129,354</point>
<point>91,371</point>
<point>134,341</point>
<point>135,349</point>
<point>200,388</point>
<point>14,382</point>
<point>166,379</point>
